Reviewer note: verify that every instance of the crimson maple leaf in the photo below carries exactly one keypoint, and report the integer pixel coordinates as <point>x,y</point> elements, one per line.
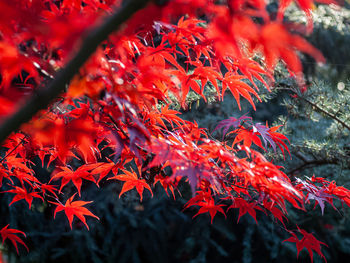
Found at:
<point>74,209</point>
<point>237,87</point>
<point>244,207</point>
<point>211,208</point>
<point>103,169</point>
<point>4,174</point>
<point>276,212</point>
<point>247,137</point>
<point>132,181</point>
<point>9,233</point>
<point>278,138</point>
<point>22,193</point>
<point>75,176</point>
<point>168,183</point>
<point>285,48</point>
<point>308,241</point>
<point>339,191</point>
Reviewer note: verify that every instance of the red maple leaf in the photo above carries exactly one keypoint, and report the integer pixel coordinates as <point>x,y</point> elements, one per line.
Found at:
<point>247,137</point>
<point>244,207</point>
<point>340,192</point>
<point>167,182</point>
<point>211,208</point>
<point>285,48</point>
<point>275,211</point>
<point>103,169</point>
<point>4,174</point>
<point>75,209</point>
<point>9,233</point>
<point>76,176</point>
<point>279,138</point>
<point>237,87</point>
<point>22,193</point>
<point>308,241</point>
<point>15,63</point>
<point>132,181</point>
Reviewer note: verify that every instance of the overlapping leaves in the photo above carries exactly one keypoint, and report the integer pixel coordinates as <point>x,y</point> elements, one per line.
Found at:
<point>121,102</point>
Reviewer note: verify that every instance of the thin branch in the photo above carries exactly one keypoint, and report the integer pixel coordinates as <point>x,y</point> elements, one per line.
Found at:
<point>310,164</point>
<point>326,113</point>
<point>42,98</point>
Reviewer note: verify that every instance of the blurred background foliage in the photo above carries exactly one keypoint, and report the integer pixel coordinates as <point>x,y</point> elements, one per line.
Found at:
<point>157,230</point>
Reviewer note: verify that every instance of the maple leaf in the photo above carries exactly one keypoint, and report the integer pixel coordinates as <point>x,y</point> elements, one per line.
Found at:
<point>170,116</point>
<point>308,241</point>
<point>168,183</point>
<point>340,192</point>
<point>4,174</point>
<point>278,138</point>
<point>22,193</point>
<point>76,176</point>
<point>237,87</point>
<point>15,63</point>
<point>75,208</point>
<point>285,48</point>
<point>191,171</point>
<point>9,233</point>
<point>319,194</point>
<point>230,122</point>
<point>103,169</point>
<point>244,207</point>
<point>320,197</point>
<point>267,134</point>
<point>306,5</point>
<point>209,207</point>
<point>276,212</point>
<point>132,181</point>
<point>252,69</point>
<point>247,137</point>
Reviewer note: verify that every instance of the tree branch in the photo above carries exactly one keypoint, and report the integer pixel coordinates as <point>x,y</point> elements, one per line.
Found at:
<point>42,98</point>
<point>326,113</point>
<point>307,163</point>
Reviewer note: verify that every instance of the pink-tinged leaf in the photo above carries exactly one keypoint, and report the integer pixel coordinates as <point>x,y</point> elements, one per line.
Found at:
<point>192,172</point>
<point>263,131</point>
<point>319,194</point>
<point>230,123</point>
